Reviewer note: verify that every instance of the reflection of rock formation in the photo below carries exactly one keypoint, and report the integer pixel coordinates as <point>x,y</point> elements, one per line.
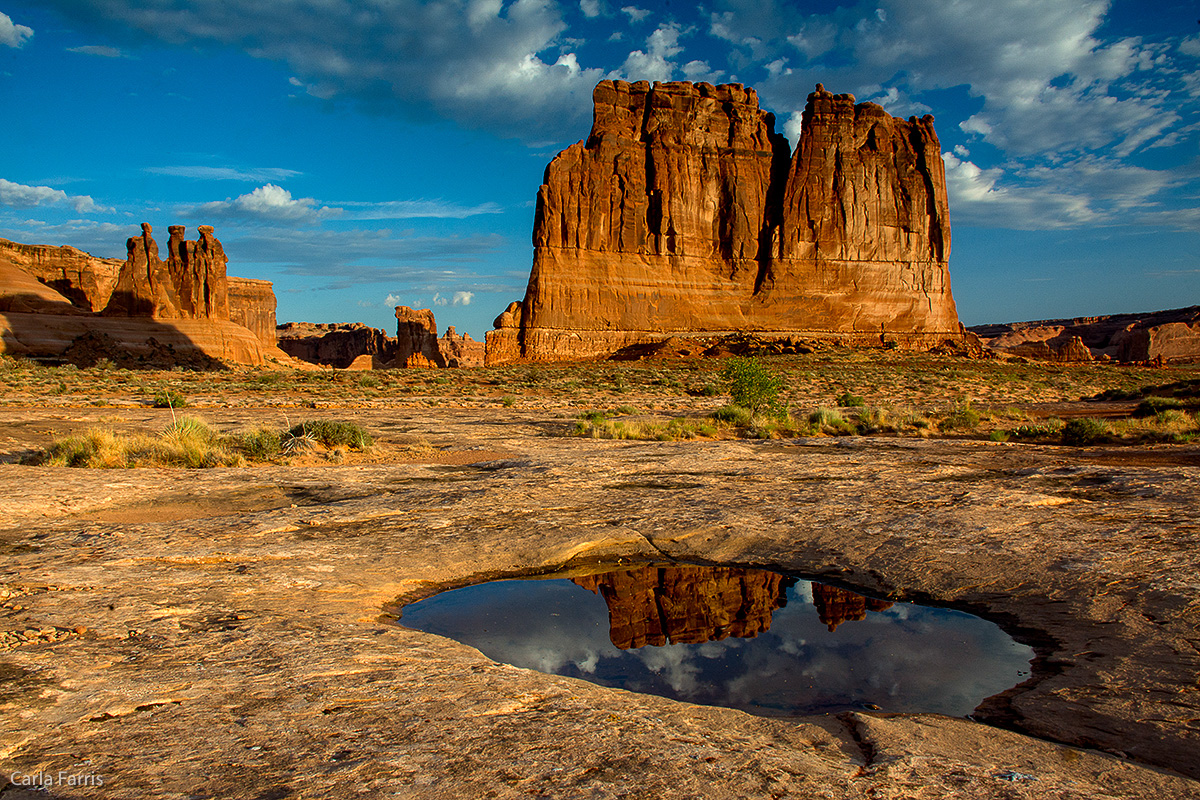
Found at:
<point>657,605</point>
<point>836,606</point>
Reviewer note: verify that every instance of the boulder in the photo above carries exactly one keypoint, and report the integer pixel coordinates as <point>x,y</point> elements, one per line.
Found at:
<point>683,214</point>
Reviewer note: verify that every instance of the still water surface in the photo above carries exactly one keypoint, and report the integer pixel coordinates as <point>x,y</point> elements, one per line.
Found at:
<point>729,636</point>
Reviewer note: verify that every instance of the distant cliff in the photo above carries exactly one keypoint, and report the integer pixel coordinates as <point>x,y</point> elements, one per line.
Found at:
<point>145,306</point>
<point>683,213</point>
<point>1167,337</point>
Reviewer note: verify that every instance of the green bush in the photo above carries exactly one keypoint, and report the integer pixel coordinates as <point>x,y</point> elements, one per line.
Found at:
<point>847,400</point>
<point>169,399</point>
<point>753,385</point>
<point>260,445</point>
<point>1084,431</point>
<point>332,433</point>
<point>963,417</point>
<point>734,415</point>
<point>1152,406</point>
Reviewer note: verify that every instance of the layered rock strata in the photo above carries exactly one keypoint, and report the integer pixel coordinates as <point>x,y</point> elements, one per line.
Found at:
<point>149,308</point>
<point>683,214</point>
<point>656,605</point>
<point>1167,337</point>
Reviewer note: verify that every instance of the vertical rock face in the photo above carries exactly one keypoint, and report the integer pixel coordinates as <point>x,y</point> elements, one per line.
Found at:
<point>417,339</point>
<point>657,605</point>
<point>682,213</point>
<point>84,279</point>
<point>252,305</point>
<point>460,350</point>
<point>144,287</point>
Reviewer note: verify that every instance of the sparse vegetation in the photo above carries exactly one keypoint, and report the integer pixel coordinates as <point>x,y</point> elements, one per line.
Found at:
<point>752,384</point>
<point>190,442</point>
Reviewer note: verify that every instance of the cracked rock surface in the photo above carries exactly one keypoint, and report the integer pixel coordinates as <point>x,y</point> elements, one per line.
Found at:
<point>225,632</point>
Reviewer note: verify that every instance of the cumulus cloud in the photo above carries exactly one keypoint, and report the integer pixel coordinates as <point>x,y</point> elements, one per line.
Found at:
<point>590,8</point>
<point>1048,80</point>
<point>20,196</point>
<point>11,34</point>
<point>634,13</point>
<point>271,202</point>
<point>654,63</point>
<point>1089,190</point>
<point>462,298</point>
<point>484,63</point>
<point>268,202</point>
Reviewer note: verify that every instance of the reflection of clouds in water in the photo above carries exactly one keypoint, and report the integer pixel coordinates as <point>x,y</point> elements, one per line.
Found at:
<point>906,658</point>
<point>675,666</point>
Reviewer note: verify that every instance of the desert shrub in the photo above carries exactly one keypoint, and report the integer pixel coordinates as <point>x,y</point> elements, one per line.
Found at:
<point>260,445</point>
<point>848,400</point>
<point>999,435</point>
<point>332,433</point>
<point>626,410</point>
<point>734,415</point>
<point>1084,431</point>
<point>187,442</point>
<point>707,390</point>
<point>167,398</point>
<point>963,417</point>
<point>1153,406</point>
<point>830,422</point>
<point>752,384</point>
<point>95,447</point>
<point>368,381</point>
<point>508,401</point>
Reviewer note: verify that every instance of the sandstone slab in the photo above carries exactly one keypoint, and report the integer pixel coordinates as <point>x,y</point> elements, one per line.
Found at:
<point>223,632</point>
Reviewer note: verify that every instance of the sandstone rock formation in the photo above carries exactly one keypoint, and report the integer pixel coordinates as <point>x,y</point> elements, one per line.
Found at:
<point>149,308</point>
<point>683,214</point>
<point>460,350</point>
<point>836,605</point>
<point>656,605</point>
<point>1167,337</point>
<point>85,280</point>
<point>416,335</point>
<point>252,305</point>
<point>336,345</point>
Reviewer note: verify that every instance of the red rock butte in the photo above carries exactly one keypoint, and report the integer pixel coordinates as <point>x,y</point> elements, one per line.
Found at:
<point>684,214</point>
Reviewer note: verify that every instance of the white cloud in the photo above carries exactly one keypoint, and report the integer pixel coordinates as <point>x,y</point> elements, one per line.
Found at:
<point>226,173</point>
<point>484,63</point>
<point>1088,190</point>
<point>267,202</point>
<point>462,298</point>
<point>654,63</point>
<point>634,13</point>
<point>590,8</point>
<point>438,300</point>
<point>391,301</point>
<point>1190,46</point>
<point>409,209</point>
<point>21,196</point>
<point>103,51</point>
<point>11,34</point>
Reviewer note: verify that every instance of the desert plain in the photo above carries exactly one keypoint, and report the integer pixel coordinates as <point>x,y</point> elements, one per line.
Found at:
<point>232,631</point>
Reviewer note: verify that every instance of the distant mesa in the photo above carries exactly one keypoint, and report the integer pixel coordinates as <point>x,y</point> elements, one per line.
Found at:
<point>56,301</point>
<point>684,214</point>
<point>1158,337</point>
<point>357,346</point>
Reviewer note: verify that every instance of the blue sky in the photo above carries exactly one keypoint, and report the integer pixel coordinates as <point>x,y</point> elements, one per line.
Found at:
<point>364,154</point>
